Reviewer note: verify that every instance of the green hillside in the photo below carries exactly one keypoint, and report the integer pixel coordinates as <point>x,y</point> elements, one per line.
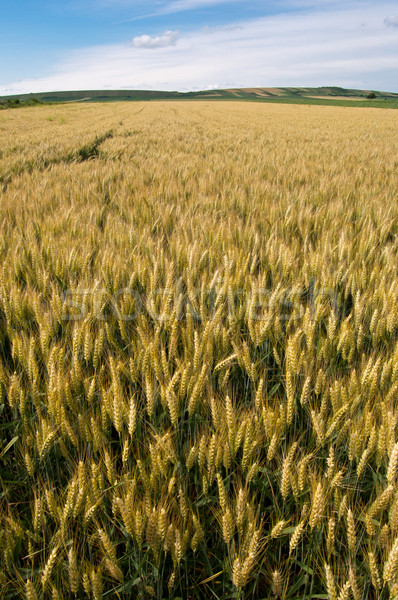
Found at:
<point>331,95</point>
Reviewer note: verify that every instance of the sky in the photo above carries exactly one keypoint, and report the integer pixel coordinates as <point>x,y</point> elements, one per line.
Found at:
<point>197,44</point>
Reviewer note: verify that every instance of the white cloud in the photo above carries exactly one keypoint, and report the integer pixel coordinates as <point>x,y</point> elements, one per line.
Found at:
<point>169,6</point>
<point>168,38</point>
<point>291,49</point>
<point>391,21</point>
<point>183,5</point>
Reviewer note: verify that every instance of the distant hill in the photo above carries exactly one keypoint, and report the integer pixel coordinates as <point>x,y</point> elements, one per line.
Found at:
<point>329,95</point>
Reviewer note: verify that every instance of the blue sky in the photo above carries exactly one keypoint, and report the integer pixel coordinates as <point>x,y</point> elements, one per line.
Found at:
<point>197,44</point>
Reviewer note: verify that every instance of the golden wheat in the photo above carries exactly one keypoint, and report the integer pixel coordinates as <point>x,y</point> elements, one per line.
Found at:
<point>198,351</point>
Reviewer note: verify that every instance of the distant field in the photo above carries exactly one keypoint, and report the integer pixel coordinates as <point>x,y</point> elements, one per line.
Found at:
<point>332,96</point>
<point>198,352</point>
<point>352,98</point>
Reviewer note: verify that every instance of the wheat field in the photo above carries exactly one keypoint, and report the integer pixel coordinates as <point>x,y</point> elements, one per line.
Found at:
<point>198,352</point>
